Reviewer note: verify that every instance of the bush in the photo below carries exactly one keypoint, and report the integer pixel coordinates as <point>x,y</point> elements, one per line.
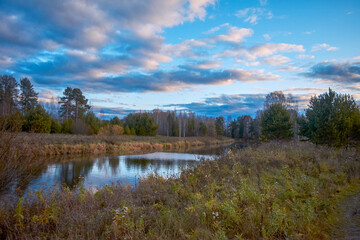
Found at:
<point>111,130</point>
<point>55,126</point>
<point>37,120</point>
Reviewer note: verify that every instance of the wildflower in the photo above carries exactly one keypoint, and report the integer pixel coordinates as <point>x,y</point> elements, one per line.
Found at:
<point>215,215</point>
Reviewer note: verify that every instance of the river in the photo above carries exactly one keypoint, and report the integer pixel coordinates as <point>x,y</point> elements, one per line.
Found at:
<point>94,172</point>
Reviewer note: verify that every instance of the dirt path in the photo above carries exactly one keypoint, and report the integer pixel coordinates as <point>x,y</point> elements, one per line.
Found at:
<point>350,227</point>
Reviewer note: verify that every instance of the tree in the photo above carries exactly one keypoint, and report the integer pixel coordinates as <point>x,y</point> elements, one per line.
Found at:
<point>115,121</point>
<point>55,126</point>
<point>66,104</point>
<point>37,120</point>
<point>8,95</point>
<point>141,124</point>
<point>73,104</point>
<point>330,119</point>
<point>80,103</point>
<point>220,125</point>
<point>93,122</point>
<point>28,96</point>
<point>275,122</point>
<point>278,97</point>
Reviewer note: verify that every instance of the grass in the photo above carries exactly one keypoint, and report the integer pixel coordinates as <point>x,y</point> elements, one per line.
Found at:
<point>274,191</point>
<point>66,144</point>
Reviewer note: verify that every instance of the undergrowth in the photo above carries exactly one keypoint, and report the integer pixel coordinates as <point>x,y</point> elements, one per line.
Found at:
<point>274,191</point>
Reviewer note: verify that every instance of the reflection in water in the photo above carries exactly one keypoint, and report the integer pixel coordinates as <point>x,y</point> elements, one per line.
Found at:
<point>105,170</point>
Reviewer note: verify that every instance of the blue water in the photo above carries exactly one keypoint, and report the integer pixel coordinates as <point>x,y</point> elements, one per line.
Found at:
<point>127,169</point>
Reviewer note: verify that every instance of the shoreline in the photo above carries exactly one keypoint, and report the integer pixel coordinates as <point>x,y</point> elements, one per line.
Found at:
<point>64,145</point>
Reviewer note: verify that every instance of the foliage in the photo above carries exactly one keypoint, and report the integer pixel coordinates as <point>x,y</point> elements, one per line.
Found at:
<point>93,122</point>
<point>275,122</point>
<point>274,191</point>
<point>8,95</point>
<point>55,126</point>
<point>220,126</point>
<point>67,126</point>
<point>37,120</point>
<point>141,123</point>
<point>73,104</point>
<point>115,121</point>
<point>111,130</point>
<point>330,119</point>
<point>28,96</point>
<point>127,130</point>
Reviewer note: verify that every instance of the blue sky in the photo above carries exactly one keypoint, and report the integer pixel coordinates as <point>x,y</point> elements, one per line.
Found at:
<point>213,57</point>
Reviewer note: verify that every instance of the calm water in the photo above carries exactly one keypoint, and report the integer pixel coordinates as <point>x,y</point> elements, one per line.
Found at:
<point>97,172</point>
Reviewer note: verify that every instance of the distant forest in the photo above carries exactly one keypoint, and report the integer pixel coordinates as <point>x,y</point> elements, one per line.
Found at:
<point>331,118</point>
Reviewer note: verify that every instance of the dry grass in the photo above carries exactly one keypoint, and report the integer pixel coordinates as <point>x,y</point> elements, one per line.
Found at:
<point>66,144</point>
<point>274,191</point>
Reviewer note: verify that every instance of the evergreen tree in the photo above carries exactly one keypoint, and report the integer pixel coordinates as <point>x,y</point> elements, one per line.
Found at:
<point>275,122</point>
<point>115,121</point>
<point>28,96</point>
<point>93,122</point>
<point>220,126</point>
<point>73,104</point>
<point>66,104</point>
<point>37,120</point>
<point>140,124</point>
<point>55,126</point>
<point>80,103</point>
<point>330,119</point>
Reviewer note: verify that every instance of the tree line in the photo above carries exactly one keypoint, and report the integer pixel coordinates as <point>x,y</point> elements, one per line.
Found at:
<point>331,118</point>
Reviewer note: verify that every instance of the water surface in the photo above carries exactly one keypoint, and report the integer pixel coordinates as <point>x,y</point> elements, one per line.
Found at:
<point>97,172</point>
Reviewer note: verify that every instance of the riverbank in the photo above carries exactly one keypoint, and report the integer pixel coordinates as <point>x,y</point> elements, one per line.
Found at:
<point>274,191</point>
<point>66,144</point>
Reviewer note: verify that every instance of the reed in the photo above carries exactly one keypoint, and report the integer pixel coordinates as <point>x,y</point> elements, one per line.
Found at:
<point>278,190</point>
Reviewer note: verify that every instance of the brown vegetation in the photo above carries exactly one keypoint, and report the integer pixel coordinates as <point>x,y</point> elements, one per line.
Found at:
<point>274,191</point>
<point>66,144</point>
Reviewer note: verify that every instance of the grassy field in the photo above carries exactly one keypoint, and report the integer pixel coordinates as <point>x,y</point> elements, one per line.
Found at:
<point>66,144</point>
<point>274,191</point>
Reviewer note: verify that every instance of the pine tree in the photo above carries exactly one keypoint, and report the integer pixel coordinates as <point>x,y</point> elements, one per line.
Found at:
<point>330,119</point>
<point>66,106</point>
<point>73,104</point>
<point>28,96</point>
<point>275,122</point>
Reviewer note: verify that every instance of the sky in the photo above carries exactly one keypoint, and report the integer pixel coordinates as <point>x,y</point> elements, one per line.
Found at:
<point>212,57</point>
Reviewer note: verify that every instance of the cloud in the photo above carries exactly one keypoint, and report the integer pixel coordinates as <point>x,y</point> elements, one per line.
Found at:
<point>267,37</point>
<point>289,69</point>
<point>304,56</point>
<point>263,50</point>
<point>215,29</point>
<point>185,49</point>
<point>253,15</point>
<point>192,48</point>
<point>263,2</point>
<point>233,35</point>
<point>186,76</point>
<point>226,105</point>
<point>240,104</point>
<point>323,46</point>
<point>309,32</point>
<point>89,25</point>
<point>335,72</point>
<point>356,58</point>
<point>276,60</point>
<point>272,48</point>
<point>207,65</point>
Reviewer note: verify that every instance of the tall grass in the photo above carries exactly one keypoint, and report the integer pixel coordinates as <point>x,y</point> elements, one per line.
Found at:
<point>18,160</point>
<point>66,144</point>
<point>274,191</point>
